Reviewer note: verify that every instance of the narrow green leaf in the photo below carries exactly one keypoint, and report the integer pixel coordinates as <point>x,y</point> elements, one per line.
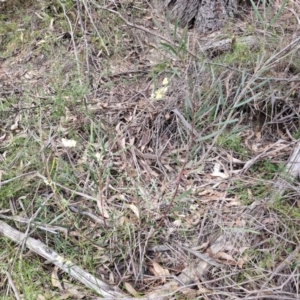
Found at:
<point>243,79</point>
<point>92,133</point>
<point>227,122</point>
<point>207,137</point>
<point>274,19</point>
<point>176,27</point>
<point>236,229</point>
<point>184,194</point>
<point>168,47</point>
<point>260,84</point>
<point>257,13</point>
<point>220,100</point>
<point>158,24</point>
<point>246,101</point>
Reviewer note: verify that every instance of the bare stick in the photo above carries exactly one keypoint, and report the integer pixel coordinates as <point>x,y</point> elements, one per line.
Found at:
<point>67,266</point>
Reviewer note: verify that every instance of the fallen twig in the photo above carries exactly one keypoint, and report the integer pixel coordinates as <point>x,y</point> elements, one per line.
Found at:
<point>99,286</point>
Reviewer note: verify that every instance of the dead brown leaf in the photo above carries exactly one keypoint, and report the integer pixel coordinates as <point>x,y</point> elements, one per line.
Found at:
<point>130,289</point>
<point>135,209</point>
<point>242,260</point>
<point>159,271</point>
<point>225,258</point>
<point>55,279</point>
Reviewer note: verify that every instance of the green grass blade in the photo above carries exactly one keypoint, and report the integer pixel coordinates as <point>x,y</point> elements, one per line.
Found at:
<point>283,5</point>
<point>257,13</point>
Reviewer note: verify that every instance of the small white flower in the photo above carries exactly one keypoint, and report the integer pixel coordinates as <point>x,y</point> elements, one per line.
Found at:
<point>177,223</point>
<point>160,93</point>
<point>165,81</point>
<point>194,207</point>
<point>68,143</point>
<point>220,171</point>
<point>98,156</point>
<point>47,182</point>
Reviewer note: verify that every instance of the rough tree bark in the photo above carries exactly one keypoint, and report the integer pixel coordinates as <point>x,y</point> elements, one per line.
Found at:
<point>204,15</point>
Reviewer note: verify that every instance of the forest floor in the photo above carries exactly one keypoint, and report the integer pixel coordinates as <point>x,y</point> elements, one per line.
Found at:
<point>151,157</point>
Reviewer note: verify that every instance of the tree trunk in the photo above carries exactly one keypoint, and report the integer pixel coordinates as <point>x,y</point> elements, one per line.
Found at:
<point>204,15</point>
